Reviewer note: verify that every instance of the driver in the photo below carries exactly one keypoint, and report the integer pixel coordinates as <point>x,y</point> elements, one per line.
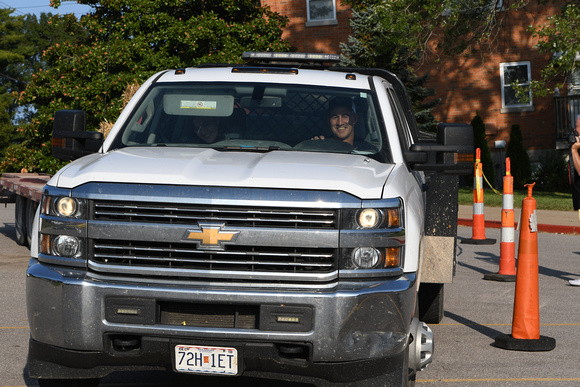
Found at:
<point>342,119</point>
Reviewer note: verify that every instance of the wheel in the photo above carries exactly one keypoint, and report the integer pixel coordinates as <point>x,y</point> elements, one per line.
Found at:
<point>68,382</point>
<point>20,220</point>
<point>431,303</point>
<point>30,213</point>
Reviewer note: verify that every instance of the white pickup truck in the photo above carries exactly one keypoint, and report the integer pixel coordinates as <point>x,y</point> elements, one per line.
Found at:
<point>277,218</point>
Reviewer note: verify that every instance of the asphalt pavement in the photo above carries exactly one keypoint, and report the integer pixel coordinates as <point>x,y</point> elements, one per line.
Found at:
<point>477,311</point>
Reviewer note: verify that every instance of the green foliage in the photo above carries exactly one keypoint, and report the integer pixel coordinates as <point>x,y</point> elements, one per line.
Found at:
<point>553,201</point>
<point>22,40</point>
<point>402,29</point>
<point>399,34</point>
<point>521,169</point>
<point>559,38</point>
<point>480,141</point>
<point>128,41</point>
<point>14,50</point>
<point>20,158</point>
<point>552,173</point>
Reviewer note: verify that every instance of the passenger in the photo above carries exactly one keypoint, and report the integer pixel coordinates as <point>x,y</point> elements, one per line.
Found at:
<point>207,128</point>
<point>342,119</point>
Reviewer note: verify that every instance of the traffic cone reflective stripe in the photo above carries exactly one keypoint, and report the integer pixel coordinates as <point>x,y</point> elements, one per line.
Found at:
<point>478,225</point>
<point>478,230</point>
<point>507,246</point>
<point>525,334</point>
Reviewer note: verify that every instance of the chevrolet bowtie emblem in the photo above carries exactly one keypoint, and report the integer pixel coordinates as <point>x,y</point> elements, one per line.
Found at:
<point>211,236</point>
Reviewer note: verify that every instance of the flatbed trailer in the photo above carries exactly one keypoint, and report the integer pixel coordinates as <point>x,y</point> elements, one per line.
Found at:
<point>25,190</point>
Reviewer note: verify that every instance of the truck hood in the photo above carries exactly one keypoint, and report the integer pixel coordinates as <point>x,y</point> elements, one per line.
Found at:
<point>358,175</point>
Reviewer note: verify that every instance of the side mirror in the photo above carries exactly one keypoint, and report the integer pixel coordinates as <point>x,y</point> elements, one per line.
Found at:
<point>451,154</point>
<point>70,139</point>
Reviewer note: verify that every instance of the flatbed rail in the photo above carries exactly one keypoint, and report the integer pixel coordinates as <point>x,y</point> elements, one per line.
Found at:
<point>24,189</point>
<point>28,185</point>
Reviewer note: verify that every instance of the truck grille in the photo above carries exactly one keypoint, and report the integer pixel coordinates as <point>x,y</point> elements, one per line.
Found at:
<point>186,256</point>
<point>261,258</point>
<point>233,216</point>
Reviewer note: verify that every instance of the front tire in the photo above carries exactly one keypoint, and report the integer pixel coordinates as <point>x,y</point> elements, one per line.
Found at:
<point>31,207</point>
<point>399,373</point>
<point>20,220</point>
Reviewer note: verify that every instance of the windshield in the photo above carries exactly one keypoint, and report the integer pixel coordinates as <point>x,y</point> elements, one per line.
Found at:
<point>256,117</point>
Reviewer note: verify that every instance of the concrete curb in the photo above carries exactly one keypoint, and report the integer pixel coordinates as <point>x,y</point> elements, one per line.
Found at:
<point>549,228</point>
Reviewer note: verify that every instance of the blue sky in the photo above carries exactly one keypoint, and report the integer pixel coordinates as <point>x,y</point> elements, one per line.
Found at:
<point>36,7</point>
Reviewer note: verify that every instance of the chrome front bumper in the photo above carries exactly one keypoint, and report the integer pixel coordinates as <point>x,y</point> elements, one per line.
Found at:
<point>351,321</point>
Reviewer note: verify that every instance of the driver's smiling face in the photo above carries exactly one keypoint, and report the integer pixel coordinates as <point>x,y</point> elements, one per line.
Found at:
<point>342,121</point>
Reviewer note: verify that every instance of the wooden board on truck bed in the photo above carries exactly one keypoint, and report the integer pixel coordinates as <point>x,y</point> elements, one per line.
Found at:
<point>28,185</point>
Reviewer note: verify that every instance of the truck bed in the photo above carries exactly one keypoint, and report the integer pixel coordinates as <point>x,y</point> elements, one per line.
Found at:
<point>27,185</point>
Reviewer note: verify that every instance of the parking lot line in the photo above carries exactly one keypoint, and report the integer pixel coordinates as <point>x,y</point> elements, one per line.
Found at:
<point>498,380</point>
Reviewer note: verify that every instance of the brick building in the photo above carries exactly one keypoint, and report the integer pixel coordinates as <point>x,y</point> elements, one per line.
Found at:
<point>315,25</point>
<point>483,84</point>
<point>466,84</point>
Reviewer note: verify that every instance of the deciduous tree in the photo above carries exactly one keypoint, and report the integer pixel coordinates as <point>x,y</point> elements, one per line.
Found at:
<point>127,42</point>
<point>14,50</point>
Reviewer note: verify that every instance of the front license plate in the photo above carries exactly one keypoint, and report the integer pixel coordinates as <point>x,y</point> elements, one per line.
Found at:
<point>206,360</point>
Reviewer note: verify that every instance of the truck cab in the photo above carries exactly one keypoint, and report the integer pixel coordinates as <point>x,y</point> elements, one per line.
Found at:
<point>260,219</point>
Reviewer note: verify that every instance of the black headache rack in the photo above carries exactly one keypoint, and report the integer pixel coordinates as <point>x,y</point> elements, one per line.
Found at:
<point>453,145</point>
<point>292,61</point>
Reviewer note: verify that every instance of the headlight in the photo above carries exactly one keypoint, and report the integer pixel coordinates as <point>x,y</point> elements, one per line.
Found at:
<point>369,218</point>
<point>63,228</point>
<point>372,218</point>
<point>64,206</point>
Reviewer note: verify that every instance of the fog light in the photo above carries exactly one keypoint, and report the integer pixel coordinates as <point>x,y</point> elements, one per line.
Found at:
<point>66,246</point>
<point>365,257</point>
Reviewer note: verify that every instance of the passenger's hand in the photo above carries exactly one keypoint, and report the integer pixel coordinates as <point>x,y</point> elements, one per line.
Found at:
<point>317,138</point>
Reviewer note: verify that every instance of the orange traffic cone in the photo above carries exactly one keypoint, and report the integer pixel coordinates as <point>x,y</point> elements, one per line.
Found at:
<point>478,226</point>
<point>526,320</point>
<point>507,246</point>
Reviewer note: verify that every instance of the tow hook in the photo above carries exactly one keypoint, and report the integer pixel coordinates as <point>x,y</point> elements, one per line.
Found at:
<point>420,346</point>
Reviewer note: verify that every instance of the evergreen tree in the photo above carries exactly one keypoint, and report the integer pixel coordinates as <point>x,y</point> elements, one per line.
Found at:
<point>519,160</point>
<point>480,141</point>
<point>374,43</point>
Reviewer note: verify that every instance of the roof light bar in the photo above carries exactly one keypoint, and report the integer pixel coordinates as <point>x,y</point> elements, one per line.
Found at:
<point>302,57</point>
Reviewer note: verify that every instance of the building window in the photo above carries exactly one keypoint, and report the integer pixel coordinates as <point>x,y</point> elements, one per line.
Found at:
<point>515,75</point>
<point>321,12</point>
